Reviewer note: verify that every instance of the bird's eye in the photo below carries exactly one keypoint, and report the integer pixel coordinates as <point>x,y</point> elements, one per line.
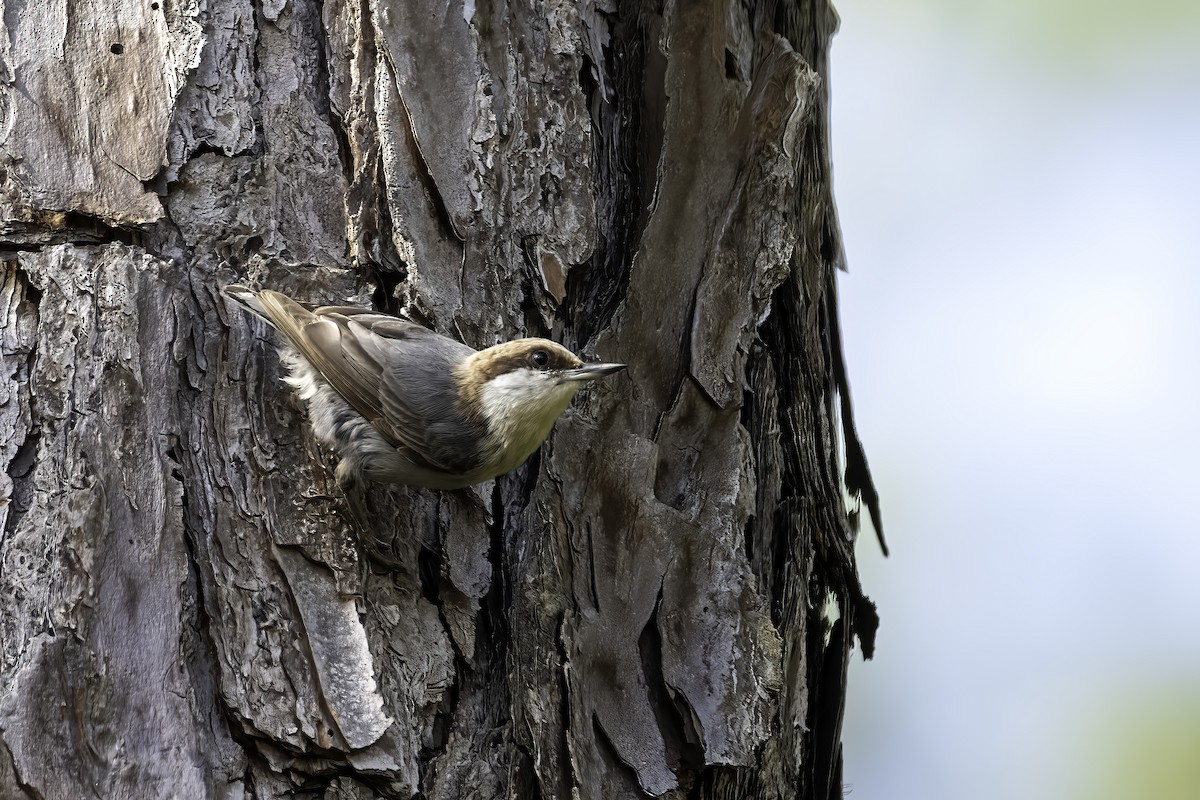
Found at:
<point>540,358</point>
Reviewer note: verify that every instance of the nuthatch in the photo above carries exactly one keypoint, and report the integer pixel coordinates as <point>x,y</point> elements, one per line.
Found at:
<point>402,404</point>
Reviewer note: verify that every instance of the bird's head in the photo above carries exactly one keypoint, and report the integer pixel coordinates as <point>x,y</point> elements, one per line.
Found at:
<point>520,388</point>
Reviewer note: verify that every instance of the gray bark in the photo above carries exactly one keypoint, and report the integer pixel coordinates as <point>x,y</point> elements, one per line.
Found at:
<point>187,609</point>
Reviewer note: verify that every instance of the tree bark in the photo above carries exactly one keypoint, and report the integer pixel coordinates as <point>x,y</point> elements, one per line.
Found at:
<point>662,602</point>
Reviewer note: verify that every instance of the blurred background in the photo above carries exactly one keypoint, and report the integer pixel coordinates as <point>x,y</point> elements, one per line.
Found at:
<point>1019,188</point>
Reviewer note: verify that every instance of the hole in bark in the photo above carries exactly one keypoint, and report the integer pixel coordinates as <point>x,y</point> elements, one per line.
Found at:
<point>117,48</point>
<point>154,6</point>
<point>254,243</point>
<point>731,67</point>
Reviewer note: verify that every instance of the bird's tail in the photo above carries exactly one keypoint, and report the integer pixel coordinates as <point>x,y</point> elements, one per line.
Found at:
<point>248,299</point>
<point>280,311</point>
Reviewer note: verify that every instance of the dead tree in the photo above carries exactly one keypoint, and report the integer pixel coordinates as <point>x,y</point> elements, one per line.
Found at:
<point>662,602</point>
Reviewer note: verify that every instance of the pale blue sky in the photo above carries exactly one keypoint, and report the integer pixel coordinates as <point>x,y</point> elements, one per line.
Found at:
<point>1019,188</point>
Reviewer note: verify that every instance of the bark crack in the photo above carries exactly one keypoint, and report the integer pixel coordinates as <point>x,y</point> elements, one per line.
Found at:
<point>564,705</point>
<point>31,230</point>
<point>424,173</point>
<point>676,721</point>
<point>323,92</point>
<point>21,469</point>
<point>613,88</point>
<point>27,789</point>
<point>612,757</point>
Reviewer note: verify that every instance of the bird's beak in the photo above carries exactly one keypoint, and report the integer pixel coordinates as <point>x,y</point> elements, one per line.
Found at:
<point>589,372</point>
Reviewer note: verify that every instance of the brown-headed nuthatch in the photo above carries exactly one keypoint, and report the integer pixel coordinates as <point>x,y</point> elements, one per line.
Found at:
<point>402,404</point>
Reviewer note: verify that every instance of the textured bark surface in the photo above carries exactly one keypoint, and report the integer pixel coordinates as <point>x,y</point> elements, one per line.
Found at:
<point>662,602</point>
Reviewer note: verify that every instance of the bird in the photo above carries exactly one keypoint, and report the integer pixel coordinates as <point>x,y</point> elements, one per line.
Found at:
<point>400,403</point>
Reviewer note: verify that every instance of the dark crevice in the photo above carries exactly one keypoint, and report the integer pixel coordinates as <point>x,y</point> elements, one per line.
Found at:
<point>27,789</point>
<point>387,281</point>
<point>528,245</point>
<point>596,292</point>
<point>671,709</point>
<point>429,570</point>
<point>593,582</point>
<point>443,721</point>
<point>531,286</point>
<point>324,95</point>
<point>496,636</point>
<point>258,103</point>
<point>10,250</point>
<point>34,230</point>
<point>391,271</point>
<point>423,171</point>
<point>828,678</point>
<point>368,197</point>
<point>367,193</point>
<point>440,592</point>
<point>612,759</point>
<point>831,245</point>
<point>206,148</point>
<point>22,469</point>
<point>568,779</point>
<point>731,66</point>
<point>189,540</point>
<point>588,85</point>
<point>493,621</point>
<point>780,559</point>
<point>525,781</point>
<point>200,654</point>
<point>480,678</point>
<point>751,418</point>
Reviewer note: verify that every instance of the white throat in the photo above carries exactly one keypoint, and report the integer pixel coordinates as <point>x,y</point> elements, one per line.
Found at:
<point>521,407</point>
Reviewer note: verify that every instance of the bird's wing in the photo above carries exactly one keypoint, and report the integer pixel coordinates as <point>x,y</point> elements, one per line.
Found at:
<point>397,374</point>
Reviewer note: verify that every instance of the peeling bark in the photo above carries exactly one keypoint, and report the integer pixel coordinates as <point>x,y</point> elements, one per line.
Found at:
<point>189,609</point>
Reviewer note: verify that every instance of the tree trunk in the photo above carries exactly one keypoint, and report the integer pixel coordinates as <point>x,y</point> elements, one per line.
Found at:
<point>662,602</point>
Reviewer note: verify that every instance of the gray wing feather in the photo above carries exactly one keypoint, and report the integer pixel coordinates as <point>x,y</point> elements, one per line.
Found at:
<point>395,373</point>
